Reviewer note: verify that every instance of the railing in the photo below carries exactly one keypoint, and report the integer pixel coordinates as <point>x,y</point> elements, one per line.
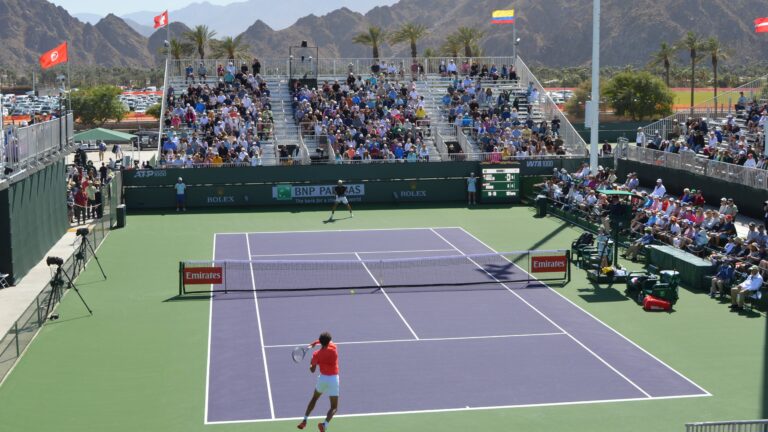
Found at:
<point>729,426</point>
<point>303,151</point>
<point>466,147</point>
<point>440,144</point>
<point>26,147</point>
<point>691,162</point>
<point>24,329</point>
<point>573,142</point>
<point>334,67</point>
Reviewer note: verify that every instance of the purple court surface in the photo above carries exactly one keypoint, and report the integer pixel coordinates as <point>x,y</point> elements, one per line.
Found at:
<point>410,350</point>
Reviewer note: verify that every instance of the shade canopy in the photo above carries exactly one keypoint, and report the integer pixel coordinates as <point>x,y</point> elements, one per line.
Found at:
<point>101,134</point>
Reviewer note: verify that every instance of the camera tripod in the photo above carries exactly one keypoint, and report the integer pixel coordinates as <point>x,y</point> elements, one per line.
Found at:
<point>81,256</point>
<point>57,291</point>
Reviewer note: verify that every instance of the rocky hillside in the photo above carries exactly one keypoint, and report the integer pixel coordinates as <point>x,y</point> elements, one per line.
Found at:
<point>552,32</point>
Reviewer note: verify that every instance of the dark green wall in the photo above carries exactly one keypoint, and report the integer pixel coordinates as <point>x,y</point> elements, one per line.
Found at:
<point>381,183</point>
<point>749,200</point>
<point>33,217</point>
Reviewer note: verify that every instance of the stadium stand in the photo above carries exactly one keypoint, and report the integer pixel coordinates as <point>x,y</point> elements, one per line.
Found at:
<point>384,109</point>
<point>657,218</point>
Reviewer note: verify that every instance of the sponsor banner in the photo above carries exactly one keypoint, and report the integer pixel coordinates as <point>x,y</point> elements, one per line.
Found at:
<point>549,264</point>
<point>149,173</point>
<point>203,276</point>
<point>315,194</point>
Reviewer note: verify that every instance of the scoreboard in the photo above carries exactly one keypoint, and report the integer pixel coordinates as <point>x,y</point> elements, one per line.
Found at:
<point>500,185</point>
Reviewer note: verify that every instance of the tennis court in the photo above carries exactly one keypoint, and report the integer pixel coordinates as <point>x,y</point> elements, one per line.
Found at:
<point>421,349</point>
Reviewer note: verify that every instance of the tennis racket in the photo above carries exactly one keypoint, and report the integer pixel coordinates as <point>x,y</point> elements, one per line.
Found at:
<point>299,353</point>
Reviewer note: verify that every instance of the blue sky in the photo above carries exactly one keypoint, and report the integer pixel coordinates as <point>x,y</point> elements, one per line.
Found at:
<point>122,7</point>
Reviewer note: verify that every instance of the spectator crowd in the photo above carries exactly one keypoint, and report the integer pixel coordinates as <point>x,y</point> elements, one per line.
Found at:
<point>660,218</point>
<point>738,139</point>
<point>376,118</point>
<point>216,121</point>
<point>503,124</point>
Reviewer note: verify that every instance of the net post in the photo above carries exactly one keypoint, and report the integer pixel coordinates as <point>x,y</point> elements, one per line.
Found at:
<point>529,270</point>
<point>181,278</point>
<point>568,267</point>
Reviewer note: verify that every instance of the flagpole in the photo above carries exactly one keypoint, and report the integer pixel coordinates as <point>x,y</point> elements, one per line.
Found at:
<point>165,92</point>
<point>514,41</point>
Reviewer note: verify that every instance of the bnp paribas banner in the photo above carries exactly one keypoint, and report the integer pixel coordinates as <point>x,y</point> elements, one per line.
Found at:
<point>314,194</point>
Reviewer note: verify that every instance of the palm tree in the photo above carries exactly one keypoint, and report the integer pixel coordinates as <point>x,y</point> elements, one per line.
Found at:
<point>716,53</point>
<point>693,44</point>
<point>451,46</point>
<point>469,38</point>
<point>664,56</point>
<point>230,47</point>
<point>429,53</point>
<point>200,36</point>
<point>373,37</point>
<point>411,33</point>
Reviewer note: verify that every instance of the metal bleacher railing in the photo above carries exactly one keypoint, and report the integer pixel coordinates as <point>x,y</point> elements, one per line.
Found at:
<point>729,426</point>
<point>16,340</point>
<point>692,162</point>
<point>22,148</point>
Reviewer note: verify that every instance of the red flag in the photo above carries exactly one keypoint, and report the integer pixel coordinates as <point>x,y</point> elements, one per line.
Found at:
<point>761,25</point>
<point>55,56</point>
<point>161,20</point>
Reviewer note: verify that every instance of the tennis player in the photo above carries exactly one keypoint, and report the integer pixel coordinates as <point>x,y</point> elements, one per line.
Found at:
<point>341,197</point>
<point>328,381</point>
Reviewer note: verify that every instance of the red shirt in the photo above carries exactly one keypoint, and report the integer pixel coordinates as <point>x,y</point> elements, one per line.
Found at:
<point>327,358</point>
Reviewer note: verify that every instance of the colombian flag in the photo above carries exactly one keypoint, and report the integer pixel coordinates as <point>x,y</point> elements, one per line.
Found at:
<point>503,17</point>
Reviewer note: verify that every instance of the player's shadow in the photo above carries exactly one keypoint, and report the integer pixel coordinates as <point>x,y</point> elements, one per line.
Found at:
<point>334,220</point>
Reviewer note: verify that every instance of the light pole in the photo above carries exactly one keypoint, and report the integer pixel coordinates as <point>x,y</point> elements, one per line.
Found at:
<point>595,123</point>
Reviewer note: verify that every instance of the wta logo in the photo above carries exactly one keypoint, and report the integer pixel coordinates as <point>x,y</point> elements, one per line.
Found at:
<point>203,276</point>
<point>549,264</point>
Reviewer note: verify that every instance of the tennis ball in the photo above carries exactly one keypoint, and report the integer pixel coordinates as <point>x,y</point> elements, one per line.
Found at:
<point>351,291</point>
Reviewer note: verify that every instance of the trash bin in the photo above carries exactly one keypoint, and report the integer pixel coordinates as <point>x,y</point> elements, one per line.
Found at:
<point>121,216</point>
<point>541,206</point>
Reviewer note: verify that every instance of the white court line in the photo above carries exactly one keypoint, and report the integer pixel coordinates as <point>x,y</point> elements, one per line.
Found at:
<point>597,319</point>
<point>208,359</point>
<point>451,410</point>
<point>547,318</point>
<point>458,338</point>
<point>261,335</point>
<point>352,253</point>
<point>338,230</point>
<point>387,296</point>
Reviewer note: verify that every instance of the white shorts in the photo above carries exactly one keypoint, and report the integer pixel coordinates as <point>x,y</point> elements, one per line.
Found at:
<point>342,200</point>
<point>328,384</point>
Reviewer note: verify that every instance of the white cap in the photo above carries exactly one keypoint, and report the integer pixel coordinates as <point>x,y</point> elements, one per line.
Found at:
<point>658,180</point>
<point>180,179</point>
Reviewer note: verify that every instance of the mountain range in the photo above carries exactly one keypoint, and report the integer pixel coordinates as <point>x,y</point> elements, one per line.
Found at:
<point>552,32</point>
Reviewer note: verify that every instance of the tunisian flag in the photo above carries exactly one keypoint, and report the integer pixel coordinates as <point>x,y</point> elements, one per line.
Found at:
<point>161,20</point>
<point>761,25</point>
<point>55,56</point>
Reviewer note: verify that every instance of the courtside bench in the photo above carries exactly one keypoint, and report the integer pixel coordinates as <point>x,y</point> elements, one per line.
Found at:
<point>693,270</point>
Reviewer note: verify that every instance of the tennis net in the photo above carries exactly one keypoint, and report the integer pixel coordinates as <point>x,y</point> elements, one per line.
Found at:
<point>312,274</point>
